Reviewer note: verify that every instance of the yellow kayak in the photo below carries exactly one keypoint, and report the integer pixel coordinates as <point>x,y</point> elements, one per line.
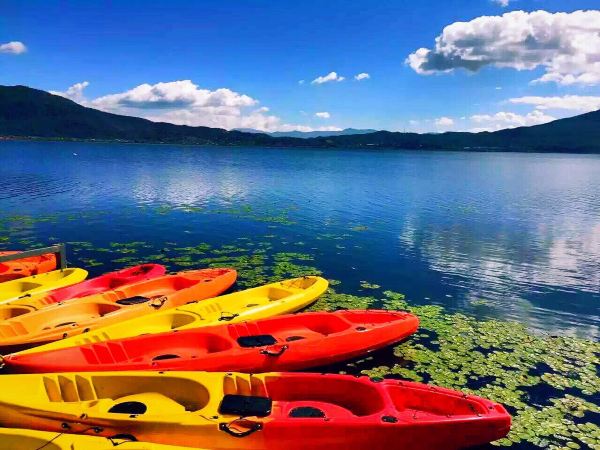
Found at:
<point>265,301</point>
<point>20,439</point>
<point>37,284</point>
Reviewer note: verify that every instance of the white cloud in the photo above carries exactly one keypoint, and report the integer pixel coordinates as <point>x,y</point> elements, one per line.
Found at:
<point>580,103</point>
<point>566,45</point>
<point>301,82</point>
<point>14,48</point>
<point>184,103</point>
<point>331,76</point>
<point>175,94</point>
<point>74,92</point>
<point>502,120</point>
<point>503,3</point>
<point>362,76</point>
<point>323,115</point>
<point>444,122</point>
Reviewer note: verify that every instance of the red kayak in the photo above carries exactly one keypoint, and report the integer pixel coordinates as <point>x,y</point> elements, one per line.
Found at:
<point>284,343</point>
<point>106,282</point>
<point>25,267</point>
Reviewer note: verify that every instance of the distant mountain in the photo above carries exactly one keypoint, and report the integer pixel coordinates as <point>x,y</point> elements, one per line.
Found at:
<point>308,134</point>
<point>33,114</point>
<point>27,112</point>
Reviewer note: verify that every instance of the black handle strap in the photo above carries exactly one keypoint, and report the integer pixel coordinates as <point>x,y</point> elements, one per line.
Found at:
<point>226,427</point>
<point>121,437</point>
<point>281,351</point>
<point>225,316</point>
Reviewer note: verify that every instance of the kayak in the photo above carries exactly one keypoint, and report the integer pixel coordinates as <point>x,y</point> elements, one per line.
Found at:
<point>20,439</point>
<point>25,267</point>
<point>284,343</point>
<point>96,285</point>
<point>292,411</point>
<point>81,315</point>
<point>37,284</point>
<point>265,301</point>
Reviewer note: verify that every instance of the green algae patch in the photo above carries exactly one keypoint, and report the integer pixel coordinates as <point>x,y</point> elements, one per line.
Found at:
<point>367,285</point>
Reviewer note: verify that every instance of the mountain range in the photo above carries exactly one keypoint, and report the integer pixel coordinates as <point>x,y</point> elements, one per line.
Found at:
<point>308,134</point>
<point>27,113</point>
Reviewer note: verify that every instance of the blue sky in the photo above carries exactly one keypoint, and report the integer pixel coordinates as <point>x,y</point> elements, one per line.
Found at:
<point>257,52</point>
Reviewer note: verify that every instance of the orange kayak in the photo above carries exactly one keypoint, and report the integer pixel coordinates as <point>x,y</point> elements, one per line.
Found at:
<point>25,267</point>
<point>81,315</point>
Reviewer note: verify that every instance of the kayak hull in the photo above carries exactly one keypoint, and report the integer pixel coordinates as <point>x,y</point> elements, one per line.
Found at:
<point>20,439</point>
<point>269,300</point>
<point>25,267</point>
<point>284,343</point>
<point>81,315</point>
<point>237,411</point>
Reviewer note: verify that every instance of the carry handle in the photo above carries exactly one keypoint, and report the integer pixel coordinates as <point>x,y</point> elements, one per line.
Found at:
<point>157,302</point>
<point>114,440</point>
<point>281,351</point>
<point>226,427</point>
<point>225,316</point>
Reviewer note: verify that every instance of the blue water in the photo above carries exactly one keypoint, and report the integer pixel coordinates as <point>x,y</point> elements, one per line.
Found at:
<point>508,235</point>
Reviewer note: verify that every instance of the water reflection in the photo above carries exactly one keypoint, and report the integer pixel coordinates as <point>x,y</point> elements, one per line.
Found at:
<point>533,276</point>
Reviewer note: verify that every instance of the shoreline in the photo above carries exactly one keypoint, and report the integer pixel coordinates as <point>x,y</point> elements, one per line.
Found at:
<point>368,147</point>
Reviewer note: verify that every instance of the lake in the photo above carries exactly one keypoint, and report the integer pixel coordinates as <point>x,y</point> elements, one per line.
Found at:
<point>506,246</point>
<point>516,233</point>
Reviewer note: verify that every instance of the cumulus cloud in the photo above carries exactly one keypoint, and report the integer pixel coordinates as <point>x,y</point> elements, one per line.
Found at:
<point>565,45</point>
<point>175,94</point>
<point>323,115</point>
<point>74,92</point>
<point>580,103</point>
<point>184,103</point>
<point>502,120</point>
<point>444,122</point>
<point>331,76</point>
<point>362,76</point>
<point>14,48</point>
<point>503,3</point>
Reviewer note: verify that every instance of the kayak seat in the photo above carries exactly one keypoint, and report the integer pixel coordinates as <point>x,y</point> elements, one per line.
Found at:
<point>336,397</point>
<point>328,325</point>
<point>27,286</point>
<point>245,405</point>
<point>432,402</point>
<point>135,300</point>
<point>10,312</point>
<point>277,294</point>
<point>158,395</point>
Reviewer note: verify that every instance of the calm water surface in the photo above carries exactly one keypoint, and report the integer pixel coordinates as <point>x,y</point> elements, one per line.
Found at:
<point>511,236</point>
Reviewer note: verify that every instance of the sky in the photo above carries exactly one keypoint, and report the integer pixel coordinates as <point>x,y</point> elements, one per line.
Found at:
<point>424,66</point>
